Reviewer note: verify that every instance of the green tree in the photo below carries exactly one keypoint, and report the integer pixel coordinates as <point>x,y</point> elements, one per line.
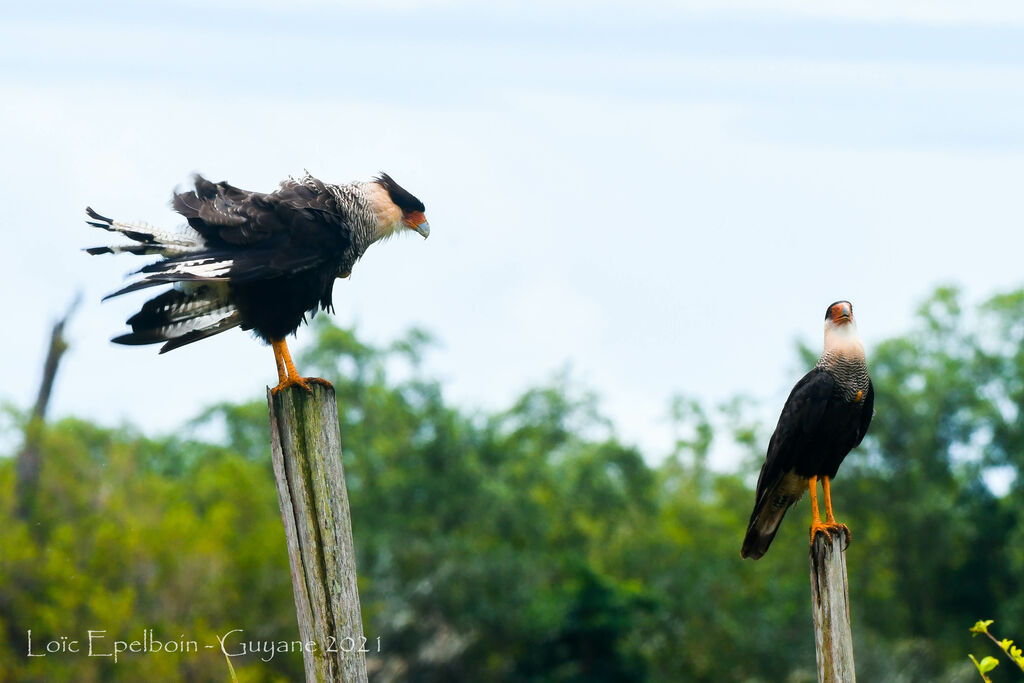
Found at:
<point>531,544</point>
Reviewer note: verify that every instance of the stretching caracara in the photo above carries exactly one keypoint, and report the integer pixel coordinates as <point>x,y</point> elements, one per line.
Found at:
<point>826,415</point>
<point>257,261</point>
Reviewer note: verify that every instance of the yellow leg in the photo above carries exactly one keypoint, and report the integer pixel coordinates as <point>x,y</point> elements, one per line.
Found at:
<point>830,519</point>
<point>816,525</point>
<point>830,524</point>
<point>287,357</point>
<point>282,375</point>
<point>286,371</point>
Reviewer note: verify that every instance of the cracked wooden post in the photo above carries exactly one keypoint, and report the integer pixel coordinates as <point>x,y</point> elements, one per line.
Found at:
<point>830,604</point>
<point>306,453</point>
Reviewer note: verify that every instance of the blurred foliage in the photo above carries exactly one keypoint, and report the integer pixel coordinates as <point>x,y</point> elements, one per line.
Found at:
<point>532,544</point>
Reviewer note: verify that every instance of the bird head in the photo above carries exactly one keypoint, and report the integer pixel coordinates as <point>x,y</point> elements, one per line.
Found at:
<point>841,329</point>
<point>839,313</point>
<point>397,208</point>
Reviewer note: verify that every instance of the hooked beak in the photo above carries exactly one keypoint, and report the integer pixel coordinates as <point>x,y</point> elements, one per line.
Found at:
<point>415,220</point>
<point>843,313</point>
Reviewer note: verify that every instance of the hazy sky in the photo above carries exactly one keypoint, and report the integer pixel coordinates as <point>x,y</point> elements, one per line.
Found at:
<point>664,196</point>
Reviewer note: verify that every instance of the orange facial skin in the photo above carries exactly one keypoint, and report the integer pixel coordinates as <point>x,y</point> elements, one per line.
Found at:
<point>841,312</point>
<point>414,218</point>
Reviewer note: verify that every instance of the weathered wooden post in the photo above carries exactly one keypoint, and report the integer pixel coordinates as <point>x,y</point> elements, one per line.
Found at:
<point>830,604</point>
<point>306,453</point>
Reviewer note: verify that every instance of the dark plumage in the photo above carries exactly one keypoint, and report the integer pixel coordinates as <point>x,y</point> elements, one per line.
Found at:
<point>254,260</point>
<point>402,198</point>
<point>826,415</point>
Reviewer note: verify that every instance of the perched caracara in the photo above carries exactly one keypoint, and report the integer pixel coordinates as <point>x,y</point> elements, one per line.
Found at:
<point>256,261</point>
<point>825,416</point>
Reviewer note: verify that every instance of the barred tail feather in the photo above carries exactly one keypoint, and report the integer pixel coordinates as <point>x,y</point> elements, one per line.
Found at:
<point>178,317</point>
<point>150,240</point>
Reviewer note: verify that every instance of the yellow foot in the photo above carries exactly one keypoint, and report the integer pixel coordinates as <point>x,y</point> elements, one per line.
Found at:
<point>303,382</point>
<point>829,528</point>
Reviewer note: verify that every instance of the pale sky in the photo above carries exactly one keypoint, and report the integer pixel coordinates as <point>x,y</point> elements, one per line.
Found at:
<point>662,196</point>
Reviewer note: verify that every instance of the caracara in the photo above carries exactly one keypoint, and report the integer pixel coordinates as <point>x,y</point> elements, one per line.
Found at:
<point>825,417</point>
<point>256,261</point>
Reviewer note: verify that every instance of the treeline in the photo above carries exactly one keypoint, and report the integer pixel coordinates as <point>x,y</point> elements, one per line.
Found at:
<point>532,544</point>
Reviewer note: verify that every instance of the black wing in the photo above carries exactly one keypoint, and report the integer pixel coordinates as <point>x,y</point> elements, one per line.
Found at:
<point>867,412</point>
<point>253,236</point>
<point>295,228</point>
<point>797,426</point>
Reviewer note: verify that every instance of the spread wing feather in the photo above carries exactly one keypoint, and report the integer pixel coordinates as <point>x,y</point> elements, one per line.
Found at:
<point>178,317</point>
<point>234,237</point>
<point>239,236</point>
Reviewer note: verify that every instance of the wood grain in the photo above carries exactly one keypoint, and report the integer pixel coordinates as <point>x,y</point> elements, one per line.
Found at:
<point>830,605</point>
<point>306,453</point>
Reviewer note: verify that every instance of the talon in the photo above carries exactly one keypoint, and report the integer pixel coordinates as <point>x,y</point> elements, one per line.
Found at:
<point>830,524</point>
<point>847,536</point>
<point>830,519</point>
<point>287,375</point>
<point>290,382</point>
<point>829,528</point>
<point>819,528</point>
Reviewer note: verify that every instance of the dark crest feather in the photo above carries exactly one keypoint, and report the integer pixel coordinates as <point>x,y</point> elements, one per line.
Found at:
<point>402,198</point>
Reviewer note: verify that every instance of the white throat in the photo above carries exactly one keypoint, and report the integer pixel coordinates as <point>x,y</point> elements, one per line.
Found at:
<point>843,340</point>
<point>388,217</point>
